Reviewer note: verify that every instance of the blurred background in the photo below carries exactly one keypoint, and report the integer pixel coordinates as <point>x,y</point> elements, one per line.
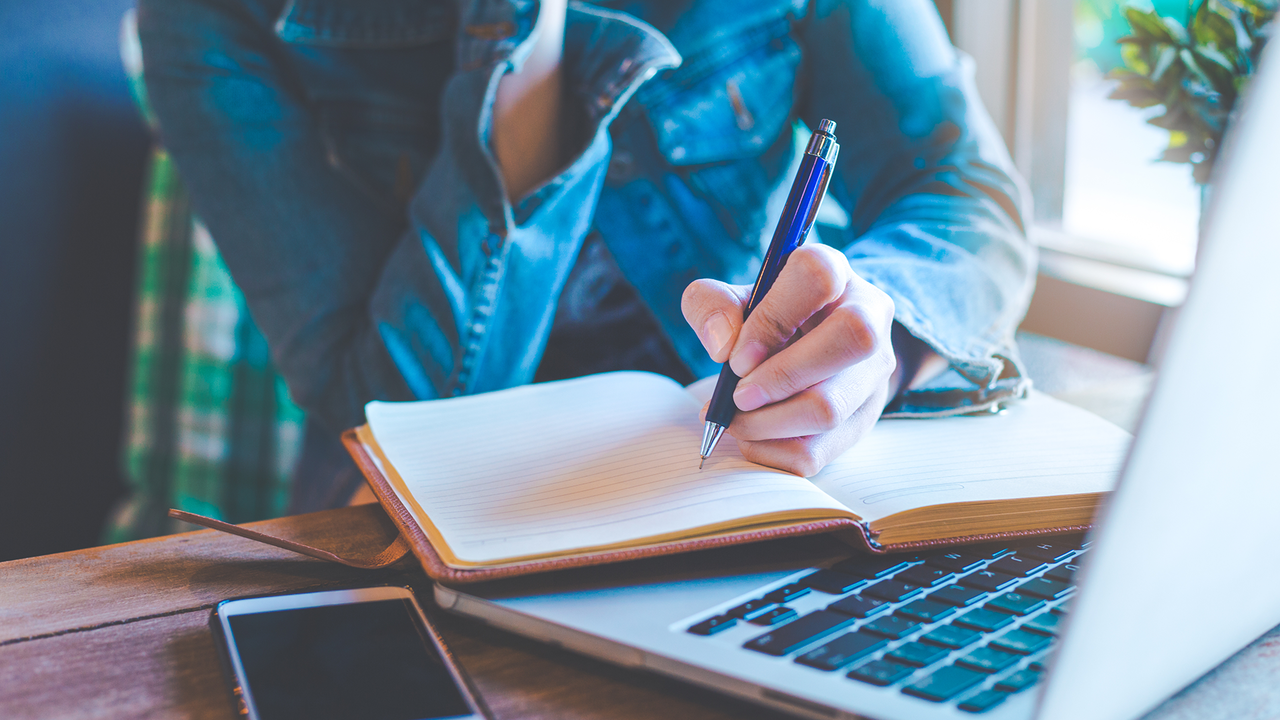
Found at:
<point>1118,232</point>
<point>72,154</point>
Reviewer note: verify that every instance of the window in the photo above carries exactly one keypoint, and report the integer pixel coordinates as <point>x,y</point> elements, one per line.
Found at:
<point>1117,229</point>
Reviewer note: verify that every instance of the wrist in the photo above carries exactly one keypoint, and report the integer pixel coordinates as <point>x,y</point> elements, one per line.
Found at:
<point>917,363</point>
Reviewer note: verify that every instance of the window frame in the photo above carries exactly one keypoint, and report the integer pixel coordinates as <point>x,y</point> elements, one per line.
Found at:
<point>1022,64</point>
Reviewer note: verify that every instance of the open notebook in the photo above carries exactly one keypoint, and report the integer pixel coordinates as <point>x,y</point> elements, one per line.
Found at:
<point>605,468</point>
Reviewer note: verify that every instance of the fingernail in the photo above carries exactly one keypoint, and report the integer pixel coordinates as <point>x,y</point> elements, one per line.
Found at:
<point>749,397</point>
<point>718,330</point>
<point>748,358</point>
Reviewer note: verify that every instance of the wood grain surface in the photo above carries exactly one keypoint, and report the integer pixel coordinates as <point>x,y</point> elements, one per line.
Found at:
<point>122,632</point>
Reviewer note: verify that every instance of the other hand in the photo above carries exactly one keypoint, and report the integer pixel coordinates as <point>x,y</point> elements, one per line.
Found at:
<point>816,358</point>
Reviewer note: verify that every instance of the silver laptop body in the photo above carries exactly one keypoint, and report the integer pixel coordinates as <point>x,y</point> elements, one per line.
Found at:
<point>1181,572</point>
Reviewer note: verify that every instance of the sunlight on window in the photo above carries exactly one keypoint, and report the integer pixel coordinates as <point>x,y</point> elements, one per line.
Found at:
<point>1116,191</point>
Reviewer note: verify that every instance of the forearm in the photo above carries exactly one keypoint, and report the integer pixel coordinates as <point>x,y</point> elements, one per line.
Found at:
<point>936,211</point>
<point>527,112</point>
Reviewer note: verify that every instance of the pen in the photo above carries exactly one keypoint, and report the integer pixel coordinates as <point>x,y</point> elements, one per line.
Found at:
<point>807,191</point>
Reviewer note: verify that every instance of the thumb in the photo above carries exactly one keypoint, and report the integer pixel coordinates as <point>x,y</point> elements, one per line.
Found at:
<point>714,311</point>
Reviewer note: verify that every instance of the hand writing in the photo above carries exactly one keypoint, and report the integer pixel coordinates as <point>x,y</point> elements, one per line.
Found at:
<point>816,358</point>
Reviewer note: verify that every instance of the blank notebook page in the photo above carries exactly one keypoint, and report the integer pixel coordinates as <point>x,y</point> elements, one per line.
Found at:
<point>553,468</point>
<point>1037,448</point>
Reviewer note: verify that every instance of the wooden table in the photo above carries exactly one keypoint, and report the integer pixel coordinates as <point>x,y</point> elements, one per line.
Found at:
<point>122,632</point>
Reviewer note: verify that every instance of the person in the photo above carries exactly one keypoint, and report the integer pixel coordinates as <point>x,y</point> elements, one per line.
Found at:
<point>428,198</point>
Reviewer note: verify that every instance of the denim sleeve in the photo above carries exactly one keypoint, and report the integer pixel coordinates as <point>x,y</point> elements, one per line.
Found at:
<point>936,209</point>
<point>356,301</point>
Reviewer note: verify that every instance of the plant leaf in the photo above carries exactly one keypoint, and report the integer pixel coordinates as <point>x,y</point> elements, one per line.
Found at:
<point>1213,28</point>
<point>1147,25</point>
<point>1176,154</point>
<point>1189,59</point>
<point>1168,54</point>
<point>1219,69</point>
<point>1134,58</point>
<point>1172,119</point>
<point>1137,91</point>
<point>1201,171</point>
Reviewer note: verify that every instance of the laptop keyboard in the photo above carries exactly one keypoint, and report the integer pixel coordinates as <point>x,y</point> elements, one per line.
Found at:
<point>969,626</point>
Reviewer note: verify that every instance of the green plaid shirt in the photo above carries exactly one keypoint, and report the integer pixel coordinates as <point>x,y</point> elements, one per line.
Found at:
<point>211,427</point>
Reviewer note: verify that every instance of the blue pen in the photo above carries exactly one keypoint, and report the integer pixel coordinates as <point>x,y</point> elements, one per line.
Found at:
<point>807,191</point>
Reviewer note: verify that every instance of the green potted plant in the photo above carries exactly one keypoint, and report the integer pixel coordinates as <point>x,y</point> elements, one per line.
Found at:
<point>1196,72</point>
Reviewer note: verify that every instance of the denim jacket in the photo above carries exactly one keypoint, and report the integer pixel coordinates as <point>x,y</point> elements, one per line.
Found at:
<point>338,150</point>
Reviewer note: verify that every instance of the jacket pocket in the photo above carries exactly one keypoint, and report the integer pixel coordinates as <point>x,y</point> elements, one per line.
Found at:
<point>367,23</point>
<point>728,101</point>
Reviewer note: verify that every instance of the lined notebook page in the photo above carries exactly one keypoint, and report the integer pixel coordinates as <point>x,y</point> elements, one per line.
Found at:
<point>1037,448</point>
<point>551,468</point>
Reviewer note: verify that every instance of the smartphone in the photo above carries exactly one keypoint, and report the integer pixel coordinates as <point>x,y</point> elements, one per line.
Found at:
<point>368,653</point>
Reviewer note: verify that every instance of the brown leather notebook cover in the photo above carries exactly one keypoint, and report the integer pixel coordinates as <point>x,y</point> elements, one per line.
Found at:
<point>848,530</point>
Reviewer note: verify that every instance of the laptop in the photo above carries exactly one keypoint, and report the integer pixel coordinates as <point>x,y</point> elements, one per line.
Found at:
<point>1178,575</point>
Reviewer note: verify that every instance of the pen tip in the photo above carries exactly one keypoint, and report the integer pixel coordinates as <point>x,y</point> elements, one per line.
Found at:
<point>702,460</point>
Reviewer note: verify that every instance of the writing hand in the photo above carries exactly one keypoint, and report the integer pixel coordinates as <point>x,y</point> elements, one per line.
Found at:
<point>816,358</point>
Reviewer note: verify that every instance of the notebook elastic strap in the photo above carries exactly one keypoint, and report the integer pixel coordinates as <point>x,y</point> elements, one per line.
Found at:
<point>393,552</point>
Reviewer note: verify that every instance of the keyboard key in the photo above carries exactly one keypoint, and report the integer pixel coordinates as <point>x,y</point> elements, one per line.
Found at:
<point>983,619</point>
<point>711,626</point>
<point>859,606</point>
<point>750,609</point>
<point>924,575</point>
<point>892,590</point>
<point>891,626</point>
<point>990,552</point>
<point>786,593</point>
<point>1015,603</point>
<point>944,683</point>
<point>844,650</point>
<point>983,701</point>
<point>987,580</point>
<point>876,566</point>
<point>956,561</point>
<point>950,636</point>
<point>881,672</point>
<point>1044,623</point>
<point>926,610</point>
<point>832,582</point>
<point>988,660</point>
<point>1019,681</point>
<point>775,616</point>
<point>1063,573</point>
<point>918,654</point>
<point>1017,566</point>
<point>958,596</point>
<point>1022,642</point>
<point>1050,551</point>
<point>1048,589</point>
<point>794,635</point>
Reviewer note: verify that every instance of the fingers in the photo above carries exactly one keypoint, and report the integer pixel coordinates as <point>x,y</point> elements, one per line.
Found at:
<point>853,332</point>
<point>714,311</point>
<point>815,358</point>
<point>814,277</point>
<point>823,408</point>
<point>807,455</point>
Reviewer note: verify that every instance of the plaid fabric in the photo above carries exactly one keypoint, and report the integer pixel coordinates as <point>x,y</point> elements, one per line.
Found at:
<point>211,427</point>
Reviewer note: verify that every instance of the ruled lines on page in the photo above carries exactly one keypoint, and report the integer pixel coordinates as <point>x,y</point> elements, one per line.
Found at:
<point>583,463</point>
<point>1039,447</point>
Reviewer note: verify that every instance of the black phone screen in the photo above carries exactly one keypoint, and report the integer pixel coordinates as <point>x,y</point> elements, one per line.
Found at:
<point>367,660</point>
